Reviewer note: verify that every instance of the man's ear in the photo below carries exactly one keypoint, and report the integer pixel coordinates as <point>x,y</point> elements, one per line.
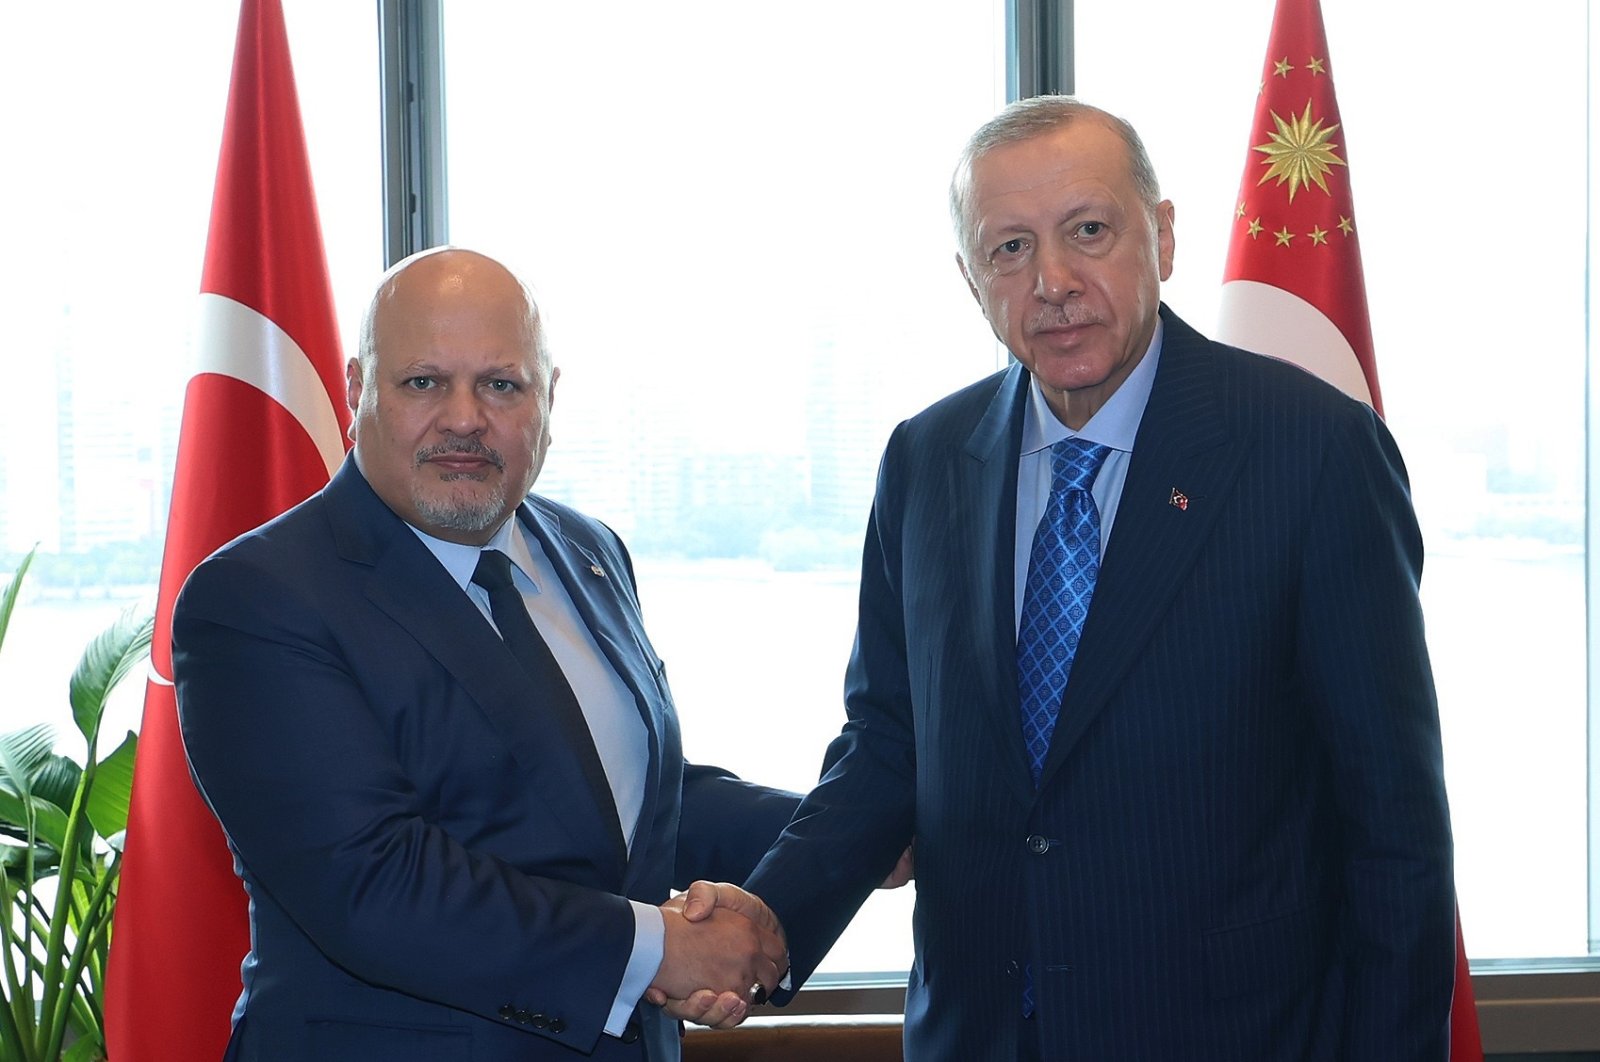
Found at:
<point>961,264</point>
<point>352,390</point>
<point>1166,213</point>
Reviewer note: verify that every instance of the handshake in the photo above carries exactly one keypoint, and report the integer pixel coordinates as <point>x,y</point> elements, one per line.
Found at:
<point>725,952</point>
<point>717,934</point>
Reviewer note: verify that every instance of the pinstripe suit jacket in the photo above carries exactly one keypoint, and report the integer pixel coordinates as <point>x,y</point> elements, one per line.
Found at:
<point>1240,847</point>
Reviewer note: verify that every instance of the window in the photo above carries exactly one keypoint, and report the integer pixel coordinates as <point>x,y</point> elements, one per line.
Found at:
<point>735,219</point>
<point>1474,245</point>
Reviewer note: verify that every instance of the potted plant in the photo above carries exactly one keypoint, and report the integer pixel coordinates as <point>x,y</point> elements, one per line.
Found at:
<point>61,827</point>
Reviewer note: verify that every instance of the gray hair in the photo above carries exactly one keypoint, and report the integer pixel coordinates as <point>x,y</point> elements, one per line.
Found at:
<point>1024,120</point>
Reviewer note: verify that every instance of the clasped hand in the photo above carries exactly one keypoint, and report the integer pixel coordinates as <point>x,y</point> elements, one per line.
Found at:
<point>723,947</point>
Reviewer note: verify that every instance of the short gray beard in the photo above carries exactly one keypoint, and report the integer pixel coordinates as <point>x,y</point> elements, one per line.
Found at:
<point>462,515</point>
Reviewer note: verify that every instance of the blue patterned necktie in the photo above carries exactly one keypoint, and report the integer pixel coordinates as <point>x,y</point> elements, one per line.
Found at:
<point>1061,574</point>
<point>1062,568</point>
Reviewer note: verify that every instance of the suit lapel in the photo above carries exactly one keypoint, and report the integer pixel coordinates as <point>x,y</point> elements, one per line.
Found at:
<point>1182,445</point>
<point>414,590</point>
<point>985,528</point>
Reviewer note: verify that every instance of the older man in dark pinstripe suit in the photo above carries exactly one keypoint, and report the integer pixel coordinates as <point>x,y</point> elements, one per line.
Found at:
<point>1230,841</point>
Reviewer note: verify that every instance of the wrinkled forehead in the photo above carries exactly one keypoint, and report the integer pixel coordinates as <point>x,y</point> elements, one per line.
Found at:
<point>1083,153</point>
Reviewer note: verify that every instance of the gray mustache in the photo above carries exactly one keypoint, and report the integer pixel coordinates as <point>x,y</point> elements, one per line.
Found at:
<point>464,447</point>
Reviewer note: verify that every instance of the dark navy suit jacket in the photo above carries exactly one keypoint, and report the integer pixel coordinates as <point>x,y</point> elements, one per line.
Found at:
<point>1240,847</point>
<point>434,873</point>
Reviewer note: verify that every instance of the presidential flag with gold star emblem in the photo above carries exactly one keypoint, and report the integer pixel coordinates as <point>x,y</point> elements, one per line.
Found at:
<point>1293,286</point>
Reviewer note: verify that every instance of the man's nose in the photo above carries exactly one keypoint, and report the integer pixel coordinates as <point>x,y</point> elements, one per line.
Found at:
<point>462,412</point>
<point>1058,278</point>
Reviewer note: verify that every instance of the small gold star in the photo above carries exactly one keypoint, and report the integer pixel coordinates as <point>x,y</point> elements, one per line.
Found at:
<point>1345,226</point>
<point>1284,236</point>
<point>1282,67</point>
<point>1319,236</point>
<point>1316,67</point>
<point>1255,228</point>
<point>1240,212</point>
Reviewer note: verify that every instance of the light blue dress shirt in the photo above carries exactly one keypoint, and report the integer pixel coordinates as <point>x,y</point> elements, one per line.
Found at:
<point>608,706</point>
<point>1115,424</point>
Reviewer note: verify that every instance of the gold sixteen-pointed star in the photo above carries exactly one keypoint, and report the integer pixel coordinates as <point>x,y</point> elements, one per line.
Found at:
<point>1299,152</point>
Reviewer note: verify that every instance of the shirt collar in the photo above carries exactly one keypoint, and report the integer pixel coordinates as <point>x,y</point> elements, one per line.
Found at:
<point>1115,424</point>
<point>462,560</point>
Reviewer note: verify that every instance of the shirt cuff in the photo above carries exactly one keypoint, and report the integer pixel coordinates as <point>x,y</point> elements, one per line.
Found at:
<point>649,948</point>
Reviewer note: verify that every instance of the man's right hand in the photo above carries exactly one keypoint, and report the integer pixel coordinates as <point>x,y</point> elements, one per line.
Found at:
<point>724,951</point>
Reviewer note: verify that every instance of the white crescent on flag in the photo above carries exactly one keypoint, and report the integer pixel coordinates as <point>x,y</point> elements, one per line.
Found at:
<point>1269,320</point>
<point>237,341</point>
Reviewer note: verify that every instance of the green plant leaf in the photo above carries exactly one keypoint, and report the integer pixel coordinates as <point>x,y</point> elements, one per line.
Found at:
<point>22,754</point>
<point>116,651</point>
<point>112,789</point>
<point>84,1050</point>
<point>13,857</point>
<point>56,785</point>
<point>56,781</point>
<point>8,599</point>
<point>49,821</point>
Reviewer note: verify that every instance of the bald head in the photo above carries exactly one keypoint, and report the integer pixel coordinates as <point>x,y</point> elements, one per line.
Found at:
<point>452,388</point>
<point>440,274</point>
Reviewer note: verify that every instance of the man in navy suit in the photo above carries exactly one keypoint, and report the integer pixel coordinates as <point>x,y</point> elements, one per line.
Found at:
<point>447,857</point>
<point>1234,843</point>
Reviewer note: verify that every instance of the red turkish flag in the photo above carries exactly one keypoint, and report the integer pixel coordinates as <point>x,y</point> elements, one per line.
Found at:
<point>1293,286</point>
<point>263,428</point>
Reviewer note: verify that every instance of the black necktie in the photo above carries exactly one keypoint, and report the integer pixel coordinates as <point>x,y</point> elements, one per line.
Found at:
<point>510,613</point>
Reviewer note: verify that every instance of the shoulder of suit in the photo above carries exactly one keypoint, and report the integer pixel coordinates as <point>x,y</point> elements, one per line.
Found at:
<point>285,532</point>
<point>962,409</point>
<point>574,523</point>
<point>1249,380</point>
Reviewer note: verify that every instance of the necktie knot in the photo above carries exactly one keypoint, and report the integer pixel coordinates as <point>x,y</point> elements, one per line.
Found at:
<point>493,571</point>
<point>1074,463</point>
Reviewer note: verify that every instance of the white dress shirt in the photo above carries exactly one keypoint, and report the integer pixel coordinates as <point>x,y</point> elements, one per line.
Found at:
<point>619,732</point>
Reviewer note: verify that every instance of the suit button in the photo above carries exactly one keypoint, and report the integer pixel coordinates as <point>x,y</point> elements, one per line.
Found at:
<point>1013,968</point>
<point>630,1033</point>
<point>508,1012</point>
<point>1038,845</point>
<point>557,1025</point>
<point>525,1017</point>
